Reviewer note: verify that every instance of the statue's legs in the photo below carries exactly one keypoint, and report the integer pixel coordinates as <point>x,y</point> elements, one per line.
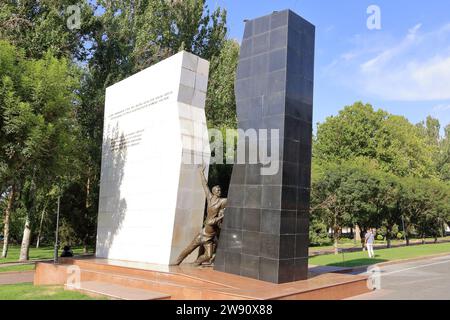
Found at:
<point>207,256</point>
<point>190,248</point>
<point>213,257</point>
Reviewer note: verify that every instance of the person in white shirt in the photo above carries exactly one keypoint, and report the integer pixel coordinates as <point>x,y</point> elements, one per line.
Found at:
<point>370,239</point>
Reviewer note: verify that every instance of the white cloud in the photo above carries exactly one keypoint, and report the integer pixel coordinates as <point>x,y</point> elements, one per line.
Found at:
<point>329,29</point>
<point>441,108</point>
<point>413,68</point>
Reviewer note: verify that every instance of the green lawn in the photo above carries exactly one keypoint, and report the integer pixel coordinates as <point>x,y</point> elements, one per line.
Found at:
<point>355,259</point>
<point>26,291</point>
<point>35,254</point>
<point>348,243</point>
<point>23,267</point>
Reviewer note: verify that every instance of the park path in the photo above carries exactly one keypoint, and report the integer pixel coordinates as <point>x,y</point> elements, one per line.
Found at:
<point>16,277</point>
<point>426,279</point>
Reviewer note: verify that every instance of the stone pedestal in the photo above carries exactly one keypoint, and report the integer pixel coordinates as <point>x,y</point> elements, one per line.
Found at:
<point>265,230</point>
<point>151,196</point>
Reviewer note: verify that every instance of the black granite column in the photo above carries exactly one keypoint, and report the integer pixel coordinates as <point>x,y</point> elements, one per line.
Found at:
<point>265,229</point>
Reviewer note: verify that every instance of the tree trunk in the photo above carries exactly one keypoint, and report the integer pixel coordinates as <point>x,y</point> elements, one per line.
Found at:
<point>40,229</point>
<point>388,237</point>
<point>25,248</point>
<point>435,239</point>
<point>336,241</point>
<point>362,236</point>
<point>357,234</point>
<point>88,191</point>
<point>87,205</point>
<point>9,207</point>
<point>85,244</point>
<point>407,235</point>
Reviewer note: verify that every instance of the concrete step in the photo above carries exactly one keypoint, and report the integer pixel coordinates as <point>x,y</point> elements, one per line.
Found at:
<point>169,287</point>
<point>128,270</point>
<point>115,291</point>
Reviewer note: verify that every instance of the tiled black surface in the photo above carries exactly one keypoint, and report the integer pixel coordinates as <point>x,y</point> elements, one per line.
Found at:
<point>269,246</point>
<point>232,239</point>
<point>279,19</point>
<point>278,38</point>
<point>270,222</point>
<point>286,270</point>
<point>268,269</point>
<point>250,243</point>
<point>252,176</point>
<point>233,262</point>
<point>271,197</point>
<point>252,220</point>
<point>302,224</point>
<point>234,219</point>
<point>301,269</point>
<point>265,230</point>
<point>288,222</point>
<point>300,249</point>
<point>287,246</point>
<point>250,266</point>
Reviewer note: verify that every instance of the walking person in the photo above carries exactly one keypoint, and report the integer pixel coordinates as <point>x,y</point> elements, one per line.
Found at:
<point>370,239</point>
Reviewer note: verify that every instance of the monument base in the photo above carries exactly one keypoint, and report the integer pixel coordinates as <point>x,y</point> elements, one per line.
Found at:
<point>187,282</point>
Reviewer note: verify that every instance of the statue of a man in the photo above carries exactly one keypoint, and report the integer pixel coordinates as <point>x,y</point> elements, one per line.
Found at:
<point>211,226</point>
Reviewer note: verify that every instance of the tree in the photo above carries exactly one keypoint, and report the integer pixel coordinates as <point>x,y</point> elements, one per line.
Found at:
<point>220,102</point>
<point>420,205</point>
<point>360,187</point>
<point>329,200</point>
<point>9,161</point>
<point>403,151</point>
<point>40,26</point>
<point>430,128</point>
<point>352,133</point>
<point>430,222</point>
<point>36,99</point>
<point>386,204</point>
<point>359,131</point>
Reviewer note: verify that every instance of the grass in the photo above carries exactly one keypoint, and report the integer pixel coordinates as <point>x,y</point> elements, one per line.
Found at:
<point>22,267</point>
<point>35,254</point>
<point>356,259</point>
<point>349,243</point>
<point>26,291</point>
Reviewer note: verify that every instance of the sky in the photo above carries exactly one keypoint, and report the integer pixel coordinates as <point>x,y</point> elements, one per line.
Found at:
<point>403,68</point>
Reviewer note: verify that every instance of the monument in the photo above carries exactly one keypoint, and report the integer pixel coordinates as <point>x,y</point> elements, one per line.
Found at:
<point>153,191</point>
<point>151,195</point>
<point>265,229</point>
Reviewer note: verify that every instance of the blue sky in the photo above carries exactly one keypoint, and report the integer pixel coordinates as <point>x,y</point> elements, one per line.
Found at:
<point>403,68</point>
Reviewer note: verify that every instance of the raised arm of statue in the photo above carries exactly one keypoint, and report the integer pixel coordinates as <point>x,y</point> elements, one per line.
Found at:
<point>208,193</point>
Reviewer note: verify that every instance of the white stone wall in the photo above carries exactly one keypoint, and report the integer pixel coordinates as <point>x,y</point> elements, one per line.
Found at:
<point>151,201</point>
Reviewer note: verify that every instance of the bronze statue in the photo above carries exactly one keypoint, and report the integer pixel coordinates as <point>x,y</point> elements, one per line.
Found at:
<point>211,226</point>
